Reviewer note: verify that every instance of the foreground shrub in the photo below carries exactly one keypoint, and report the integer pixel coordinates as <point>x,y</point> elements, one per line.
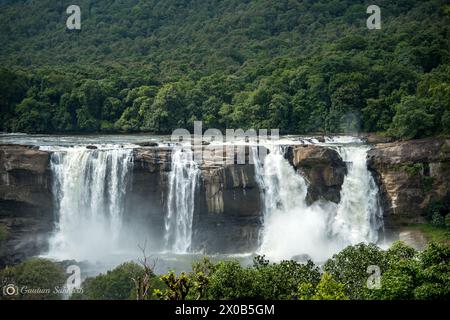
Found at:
<point>326,289</point>
<point>35,279</point>
<point>433,273</point>
<point>349,267</point>
<point>116,284</point>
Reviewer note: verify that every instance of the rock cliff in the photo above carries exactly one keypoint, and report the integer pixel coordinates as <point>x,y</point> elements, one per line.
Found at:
<point>412,175</point>
<point>26,205</point>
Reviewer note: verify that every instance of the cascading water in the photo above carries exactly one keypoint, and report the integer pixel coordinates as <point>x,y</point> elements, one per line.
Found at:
<point>183,180</point>
<point>358,216</point>
<point>292,227</point>
<point>89,189</point>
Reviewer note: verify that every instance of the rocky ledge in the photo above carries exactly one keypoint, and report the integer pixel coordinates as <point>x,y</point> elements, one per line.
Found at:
<point>413,176</point>
<point>26,205</point>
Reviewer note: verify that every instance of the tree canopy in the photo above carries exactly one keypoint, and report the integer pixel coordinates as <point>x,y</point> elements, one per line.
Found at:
<point>301,66</point>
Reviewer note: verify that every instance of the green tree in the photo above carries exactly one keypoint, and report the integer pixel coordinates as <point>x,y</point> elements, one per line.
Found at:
<point>412,120</point>
<point>349,267</point>
<point>36,279</point>
<point>326,289</point>
<point>116,284</point>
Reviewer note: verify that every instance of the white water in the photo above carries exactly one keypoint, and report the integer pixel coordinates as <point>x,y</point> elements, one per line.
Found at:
<point>359,215</point>
<point>183,180</point>
<point>89,188</point>
<point>291,227</point>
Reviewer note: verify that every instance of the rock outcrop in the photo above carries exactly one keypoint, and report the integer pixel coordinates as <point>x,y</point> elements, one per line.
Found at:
<point>229,215</point>
<point>145,201</point>
<point>26,204</point>
<point>322,168</point>
<point>412,175</point>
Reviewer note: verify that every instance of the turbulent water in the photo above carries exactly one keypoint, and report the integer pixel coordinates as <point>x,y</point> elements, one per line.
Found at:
<point>89,190</point>
<point>183,180</point>
<point>358,217</point>
<point>293,228</point>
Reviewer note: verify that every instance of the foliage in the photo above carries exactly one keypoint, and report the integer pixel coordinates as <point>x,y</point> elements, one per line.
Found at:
<point>200,275</point>
<point>326,289</point>
<point>434,234</point>
<point>405,274</point>
<point>116,284</point>
<point>434,273</point>
<point>349,267</point>
<point>35,279</point>
<point>177,286</point>
<point>300,66</point>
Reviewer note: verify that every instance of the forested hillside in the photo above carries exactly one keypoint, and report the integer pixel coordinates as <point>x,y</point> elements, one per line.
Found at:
<point>298,65</point>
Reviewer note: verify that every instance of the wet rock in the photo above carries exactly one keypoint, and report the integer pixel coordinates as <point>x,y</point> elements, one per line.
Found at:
<point>147,144</point>
<point>412,175</point>
<point>91,147</point>
<point>323,169</point>
<point>26,206</point>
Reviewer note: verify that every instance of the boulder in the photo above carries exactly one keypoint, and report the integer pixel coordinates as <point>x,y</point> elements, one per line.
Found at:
<point>323,169</point>
<point>147,144</point>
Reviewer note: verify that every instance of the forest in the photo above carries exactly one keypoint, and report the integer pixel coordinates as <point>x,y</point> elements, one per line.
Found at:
<point>301,66</point>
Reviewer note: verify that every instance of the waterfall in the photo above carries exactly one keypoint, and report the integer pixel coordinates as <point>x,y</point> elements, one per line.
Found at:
<point>359,215</point>
<point>291,227</point>
<point>89,188</point>
<point>183,180</point>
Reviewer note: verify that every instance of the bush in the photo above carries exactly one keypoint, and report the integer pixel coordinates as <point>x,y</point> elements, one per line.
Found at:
<point>262,281</point>
<point>281,280</point>
<point>36,279</point>
<point>399,281</point>
<point>412,119</point>
<point>114,285</point>
<point>328,289</point>
<point>434,273</point>
<point>447,220</point>
<point>230,282</point>
<point>437,220</point>
<point>350,268</point>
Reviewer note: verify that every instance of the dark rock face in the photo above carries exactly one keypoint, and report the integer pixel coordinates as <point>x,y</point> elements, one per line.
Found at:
<point>229,215</point>
<point>227,212</point>
<point>26,205</point>
<point>145,202</point>
<point>323,169</point>
<point>412,175</point>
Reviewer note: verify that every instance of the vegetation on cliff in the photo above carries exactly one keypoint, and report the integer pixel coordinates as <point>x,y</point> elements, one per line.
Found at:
<point>301,66</point>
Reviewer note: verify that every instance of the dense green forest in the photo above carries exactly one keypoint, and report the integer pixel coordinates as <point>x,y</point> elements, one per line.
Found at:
<point>301,66</point>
